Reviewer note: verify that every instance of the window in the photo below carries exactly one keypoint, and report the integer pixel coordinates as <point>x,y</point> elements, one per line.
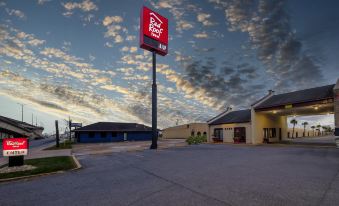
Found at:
<point>199,133</point>
<point>103,134</point>
<point>192,133</point>
<point>91,134</point>
<point>205,133</point>
<point>114,134</point>
<point>188,126</point>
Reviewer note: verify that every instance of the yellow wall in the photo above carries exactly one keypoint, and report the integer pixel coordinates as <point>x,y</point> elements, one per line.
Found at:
<point>263,120</point>
<point>229,134</point>
<point>184,131</point>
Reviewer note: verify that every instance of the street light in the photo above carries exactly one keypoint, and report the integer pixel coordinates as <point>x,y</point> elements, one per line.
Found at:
<point>22,111</point>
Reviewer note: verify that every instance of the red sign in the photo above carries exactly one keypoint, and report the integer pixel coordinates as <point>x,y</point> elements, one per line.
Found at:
<point>153,31</point>
<point>15,146</point>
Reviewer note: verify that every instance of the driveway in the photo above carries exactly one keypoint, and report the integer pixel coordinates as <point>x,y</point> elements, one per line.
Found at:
<point>105,148</point>
<point>192,175</point>
<point>328,140</point>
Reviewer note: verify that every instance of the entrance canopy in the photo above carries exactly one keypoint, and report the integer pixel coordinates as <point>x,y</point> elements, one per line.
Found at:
<point>318,100</point>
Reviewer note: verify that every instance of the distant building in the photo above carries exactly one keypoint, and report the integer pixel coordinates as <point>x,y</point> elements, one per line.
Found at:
<point>14,128</point>
<point>231,126</point>
<point>185,131</point>
<point>113,132</point>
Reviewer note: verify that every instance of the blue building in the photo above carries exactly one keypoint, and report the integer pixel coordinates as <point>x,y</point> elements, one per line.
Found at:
<point>113,132</point>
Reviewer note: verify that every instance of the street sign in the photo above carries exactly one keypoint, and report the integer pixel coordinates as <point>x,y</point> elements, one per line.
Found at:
<point>153,31</point>
<point>15,146</point>
<point>76,124</point>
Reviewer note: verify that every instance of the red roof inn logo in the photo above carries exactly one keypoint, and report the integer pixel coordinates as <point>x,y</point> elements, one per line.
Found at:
<point>154,31</point>
<point>14,146</point>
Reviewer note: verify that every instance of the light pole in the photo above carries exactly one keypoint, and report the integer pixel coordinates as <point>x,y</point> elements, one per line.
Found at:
<point>22,111</point>
<point>154,144</point>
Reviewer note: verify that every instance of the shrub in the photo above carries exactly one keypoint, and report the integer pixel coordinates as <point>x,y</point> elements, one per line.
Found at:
<point>196,139</point>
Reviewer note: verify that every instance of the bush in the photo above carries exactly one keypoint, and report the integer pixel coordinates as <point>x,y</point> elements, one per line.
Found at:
<point>196,139</point>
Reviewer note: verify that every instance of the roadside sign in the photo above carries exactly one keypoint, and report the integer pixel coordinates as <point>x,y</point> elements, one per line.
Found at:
<point>76,124</point>
<point>153,31</point>
<point>15,146</point>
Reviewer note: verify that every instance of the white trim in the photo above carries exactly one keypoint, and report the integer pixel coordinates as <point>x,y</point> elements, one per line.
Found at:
<point>153,14</point>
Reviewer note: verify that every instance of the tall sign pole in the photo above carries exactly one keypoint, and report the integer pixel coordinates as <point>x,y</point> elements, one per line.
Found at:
<point>154,38</point>
<point>154,144</point>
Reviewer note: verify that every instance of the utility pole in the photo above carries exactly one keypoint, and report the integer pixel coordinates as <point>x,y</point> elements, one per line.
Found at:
<point>32,120</point>
<point>36,121</point>
<point>70,128</point>
<point>22,111</point>
<point>57,133</point>
<point>154,144</point>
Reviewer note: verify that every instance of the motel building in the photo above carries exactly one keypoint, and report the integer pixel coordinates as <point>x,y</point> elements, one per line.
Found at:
<point>266,120</point>
<point>113,132</point>
<point>186,130</point>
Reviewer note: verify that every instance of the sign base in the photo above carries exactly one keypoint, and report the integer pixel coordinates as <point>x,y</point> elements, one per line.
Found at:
<point>15,161</point>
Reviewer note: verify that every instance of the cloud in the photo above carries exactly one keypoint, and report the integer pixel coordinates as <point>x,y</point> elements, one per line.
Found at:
<point>112,19</point>
<point>202,35</point>
<point>204,19</point>
<point>183,25</point>
<point>277,46</point>
<point>15,12</point>
<point>42,2</point>
<point>85,6</point>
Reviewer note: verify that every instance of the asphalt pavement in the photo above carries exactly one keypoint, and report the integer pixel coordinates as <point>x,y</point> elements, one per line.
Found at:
<point>192,175</point>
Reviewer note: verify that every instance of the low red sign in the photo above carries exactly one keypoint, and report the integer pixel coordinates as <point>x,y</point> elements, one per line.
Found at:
<point>15,146</point>
<point>153,31</point>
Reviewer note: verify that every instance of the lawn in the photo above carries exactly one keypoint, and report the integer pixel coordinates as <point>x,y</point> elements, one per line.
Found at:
<point>44,165</point>
<point>64,145</point>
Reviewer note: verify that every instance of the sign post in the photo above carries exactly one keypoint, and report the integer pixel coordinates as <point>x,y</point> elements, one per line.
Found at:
<point>15,149</point>
<point>154,38</point>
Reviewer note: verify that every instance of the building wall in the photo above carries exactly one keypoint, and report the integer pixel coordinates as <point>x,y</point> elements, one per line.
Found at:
<point>228,132</point>
<point>336,108</point>
<point>184,131</point>
<point>262,120</point>
<point>84,137</point>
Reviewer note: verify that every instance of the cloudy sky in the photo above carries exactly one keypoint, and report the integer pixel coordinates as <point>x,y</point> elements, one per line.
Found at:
<point>82,58</point>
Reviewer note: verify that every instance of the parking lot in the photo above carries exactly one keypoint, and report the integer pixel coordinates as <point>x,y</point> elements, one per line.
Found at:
<point>192,175</point>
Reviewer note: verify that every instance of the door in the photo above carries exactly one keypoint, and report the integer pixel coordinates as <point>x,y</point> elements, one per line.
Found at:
<point>240,134</point>
<point>125,136</point>
<point>218,135</point>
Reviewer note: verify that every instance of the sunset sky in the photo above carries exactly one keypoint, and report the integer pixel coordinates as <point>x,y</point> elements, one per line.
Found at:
<point>82,58</point>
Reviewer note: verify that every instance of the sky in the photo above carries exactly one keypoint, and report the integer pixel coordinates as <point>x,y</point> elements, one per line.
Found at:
<point>82,58</point>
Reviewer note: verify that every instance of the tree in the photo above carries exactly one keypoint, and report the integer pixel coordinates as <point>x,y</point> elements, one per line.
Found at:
<point>313,127</point>
<point>304,124</point>
<point>294,122</point>
<point>318,128</point>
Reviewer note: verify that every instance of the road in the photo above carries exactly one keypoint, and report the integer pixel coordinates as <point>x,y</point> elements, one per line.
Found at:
<point>193,175</point>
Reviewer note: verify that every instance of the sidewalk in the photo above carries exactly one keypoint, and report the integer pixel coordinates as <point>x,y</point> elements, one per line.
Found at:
<point>39,152</point>
<point>104,148</point>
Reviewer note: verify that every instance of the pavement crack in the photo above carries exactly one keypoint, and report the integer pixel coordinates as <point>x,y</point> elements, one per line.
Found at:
<point>183,186</point>
<point>328,188</point>
<point>150,195</point>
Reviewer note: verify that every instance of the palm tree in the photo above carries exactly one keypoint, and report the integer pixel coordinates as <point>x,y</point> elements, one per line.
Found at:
<point>304,124</point>
<point>313,127</point>
<point>294,122</point>
<point>318,128</point>
<point>325,129</point>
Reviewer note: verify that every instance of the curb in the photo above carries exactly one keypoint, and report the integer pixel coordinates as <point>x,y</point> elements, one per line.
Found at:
<point>76,161</point>
<point>78,166</point>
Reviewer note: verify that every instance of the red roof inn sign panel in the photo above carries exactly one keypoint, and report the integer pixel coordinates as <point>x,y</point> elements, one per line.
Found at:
<point>153,31</point>
<point>15,146</point>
